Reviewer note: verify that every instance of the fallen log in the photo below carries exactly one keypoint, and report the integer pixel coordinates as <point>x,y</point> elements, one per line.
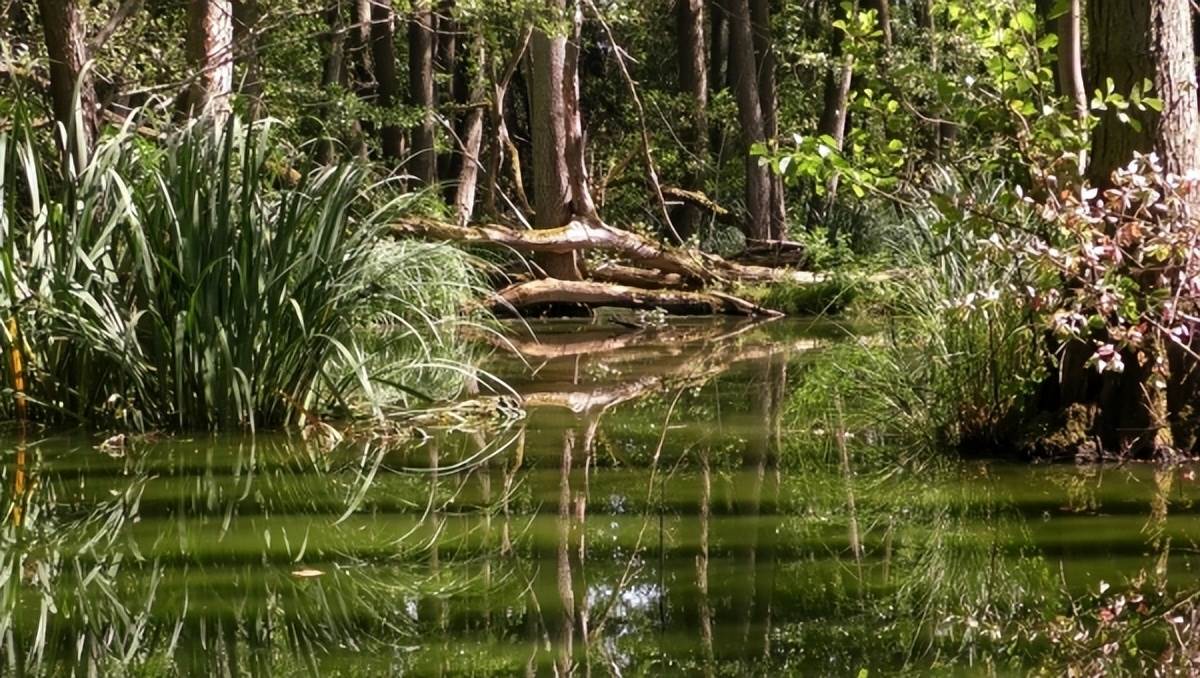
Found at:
<point>580,236</point>
<point>590,293</point>
<point>639,277</point>
<point>702,201</point>
<point>576,236</point>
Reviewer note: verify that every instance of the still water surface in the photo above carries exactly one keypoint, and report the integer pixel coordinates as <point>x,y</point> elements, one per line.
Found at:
<point>658,512</point>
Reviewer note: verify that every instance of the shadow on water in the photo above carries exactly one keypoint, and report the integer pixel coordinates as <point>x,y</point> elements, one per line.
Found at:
<point>658,511</point>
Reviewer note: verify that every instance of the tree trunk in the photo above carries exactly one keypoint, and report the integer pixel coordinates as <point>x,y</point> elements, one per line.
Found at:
<point>358,47</point>
<point>548,121</point>
<point>62,24</point>
<point>743,69</point>
<point>838,80</point>
<point>1070,59</point>
<point>245,42</point>
<point>764,51</point>
<point>472,141</point>
<point>422,163</point>
<point>1134,41</point>
<point>718,46</point>
<point>333,73</point>
<point>1120,45</point>
<point>883,17</point>
<point>693,82</point>
<point>387,91</point>
<point>210,54</point>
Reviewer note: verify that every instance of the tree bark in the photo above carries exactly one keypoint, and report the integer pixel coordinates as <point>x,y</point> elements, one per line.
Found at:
<point>743,69</point>
<point>422,163</point>
<point>1070,59</point>
<point>548,119</point>
<point>210,54</point>
<point>472,142</point>
<point>245,41</point>
<point>1133,41</point>
<point>838,81</point>
<point>693,83</point>
<point>764,51</point>
<point>62,24</point>
<point>387,91</point>
<point>333,72</point>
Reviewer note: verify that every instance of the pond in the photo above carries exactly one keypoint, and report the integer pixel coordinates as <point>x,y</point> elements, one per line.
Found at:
<point>659,511</point>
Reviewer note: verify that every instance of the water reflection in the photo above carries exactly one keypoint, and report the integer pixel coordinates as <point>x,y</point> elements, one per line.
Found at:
<point>656,513</point>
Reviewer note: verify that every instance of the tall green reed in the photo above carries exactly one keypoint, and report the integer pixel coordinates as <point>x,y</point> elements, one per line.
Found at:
<point>174,283</point>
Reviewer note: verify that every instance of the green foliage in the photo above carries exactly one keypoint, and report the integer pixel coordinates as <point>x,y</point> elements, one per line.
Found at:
<point>175,285</point>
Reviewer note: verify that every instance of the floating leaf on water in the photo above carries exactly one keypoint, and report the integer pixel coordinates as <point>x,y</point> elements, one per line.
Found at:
<point>307,573</point>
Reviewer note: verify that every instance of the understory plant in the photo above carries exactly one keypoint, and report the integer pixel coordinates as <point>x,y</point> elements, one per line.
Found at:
<point>957,354</point>
<point>189,281</point>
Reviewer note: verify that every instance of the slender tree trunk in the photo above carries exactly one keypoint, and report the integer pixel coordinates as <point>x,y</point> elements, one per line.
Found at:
<point>210,54</point>
<point>743,68</point>
<point>581,194</point>
<point>245,40</point>
<point>764,50</point>
<point>548,121</point>
<point>718,46</point>
<point>883,17</point>
<point>333,73</point>
<point>1070,59</point>
<point>838,81</point>
<point>387,91</point>
<point>472,141</point>
<point>693,82</point>
<point>62,24</point>
<point>361,70</point>
<point>423,161</point>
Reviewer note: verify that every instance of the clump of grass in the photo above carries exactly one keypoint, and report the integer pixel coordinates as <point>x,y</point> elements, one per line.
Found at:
<point>174,284</point>
<point>958,359</point>
<point>827,296</point>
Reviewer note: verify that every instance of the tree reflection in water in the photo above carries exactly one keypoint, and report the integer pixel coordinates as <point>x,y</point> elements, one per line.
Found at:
<point>661,510</point>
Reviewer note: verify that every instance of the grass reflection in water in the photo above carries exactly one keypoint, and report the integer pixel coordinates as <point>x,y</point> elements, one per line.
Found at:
<point>661,510</point>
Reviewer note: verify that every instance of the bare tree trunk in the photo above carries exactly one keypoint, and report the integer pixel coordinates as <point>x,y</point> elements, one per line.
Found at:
<point>581,194</point>
<point>743,67</point>
<point>62,24</point>
<point>693,82</point>
<point>245,40</point>
<point>472,142</point>
<point>764,50</point>
<point>422,163</point>
<point>387,92</point>
<point>358,47</point>
<point>548,120</point>
<point>1070,59</point>
<point>1119,41</point>
<point>333,72</point>
<point>210,54</point>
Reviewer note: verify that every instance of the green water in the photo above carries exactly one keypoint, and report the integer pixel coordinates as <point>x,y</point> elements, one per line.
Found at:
<point>657,513</point>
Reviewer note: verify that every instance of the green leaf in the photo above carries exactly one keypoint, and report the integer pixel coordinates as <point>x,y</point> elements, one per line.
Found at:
<point>1026,21</point>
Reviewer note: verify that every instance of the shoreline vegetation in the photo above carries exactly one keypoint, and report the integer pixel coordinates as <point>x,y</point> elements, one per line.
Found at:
<point>233,217</point>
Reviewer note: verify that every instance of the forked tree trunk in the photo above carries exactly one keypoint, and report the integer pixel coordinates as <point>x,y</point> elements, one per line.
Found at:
<point>387,90</point>
<point>210,55</point>
<point>62,24</point>
<point>693,82</point>
<point>743,69</point>
<point>422,163</point>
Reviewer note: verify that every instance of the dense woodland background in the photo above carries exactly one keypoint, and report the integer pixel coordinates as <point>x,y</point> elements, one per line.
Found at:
<point>973,159</point>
